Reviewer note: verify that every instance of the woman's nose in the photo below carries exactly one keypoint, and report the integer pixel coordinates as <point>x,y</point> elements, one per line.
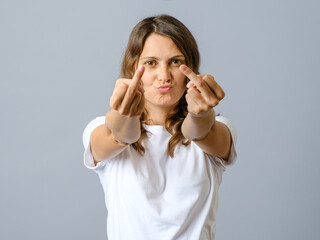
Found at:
<point>164,74</point>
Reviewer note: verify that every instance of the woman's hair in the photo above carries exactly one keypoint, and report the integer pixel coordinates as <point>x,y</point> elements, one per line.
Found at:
<point>170,27</point>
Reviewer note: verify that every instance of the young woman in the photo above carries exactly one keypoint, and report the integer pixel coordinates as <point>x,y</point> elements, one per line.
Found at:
<point>160,151</point>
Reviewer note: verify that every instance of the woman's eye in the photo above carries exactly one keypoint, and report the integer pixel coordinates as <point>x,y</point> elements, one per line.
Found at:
<point>150,63</point>
<point>175,61</point>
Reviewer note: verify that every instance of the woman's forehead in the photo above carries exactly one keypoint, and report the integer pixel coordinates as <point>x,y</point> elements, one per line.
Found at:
<point>157,45</point>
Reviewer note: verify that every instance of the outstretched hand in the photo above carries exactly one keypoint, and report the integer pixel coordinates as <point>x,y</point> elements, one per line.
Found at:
<point>128,95</point>
<point>203,93</point>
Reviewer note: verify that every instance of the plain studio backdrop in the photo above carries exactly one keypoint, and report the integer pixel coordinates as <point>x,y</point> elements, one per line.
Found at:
<point>59,60</point>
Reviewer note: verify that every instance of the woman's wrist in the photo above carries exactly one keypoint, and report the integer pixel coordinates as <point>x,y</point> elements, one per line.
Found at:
<point>197,126</point>
<point>208,114</point>
<point>125,130</point>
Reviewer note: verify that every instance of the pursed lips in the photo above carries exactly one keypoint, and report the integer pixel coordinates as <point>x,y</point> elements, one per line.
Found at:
<point>164,88</point>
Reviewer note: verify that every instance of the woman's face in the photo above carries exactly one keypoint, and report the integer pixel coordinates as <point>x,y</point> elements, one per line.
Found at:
<point>163,82</point>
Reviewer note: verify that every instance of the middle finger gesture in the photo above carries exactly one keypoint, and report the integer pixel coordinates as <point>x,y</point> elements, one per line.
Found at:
<point>203,93</point>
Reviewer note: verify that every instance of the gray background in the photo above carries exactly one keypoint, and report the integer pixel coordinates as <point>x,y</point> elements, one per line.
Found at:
<point>58,64</point>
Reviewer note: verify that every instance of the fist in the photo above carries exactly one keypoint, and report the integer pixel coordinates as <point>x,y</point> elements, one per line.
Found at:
<point>203,92</point>
<point>128,95</point>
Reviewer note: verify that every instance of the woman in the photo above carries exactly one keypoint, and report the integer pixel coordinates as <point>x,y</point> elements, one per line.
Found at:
<point>160,151</point>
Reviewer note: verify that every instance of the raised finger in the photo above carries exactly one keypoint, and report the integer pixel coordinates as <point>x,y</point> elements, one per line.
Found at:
<point>137,77</point>
<point>140,106</point>
<point>135,102</point>
<point>195,79</point>
<point>132,89</point>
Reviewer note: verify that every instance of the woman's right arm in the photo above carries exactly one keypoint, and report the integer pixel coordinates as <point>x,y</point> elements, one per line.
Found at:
<point>122,126</point>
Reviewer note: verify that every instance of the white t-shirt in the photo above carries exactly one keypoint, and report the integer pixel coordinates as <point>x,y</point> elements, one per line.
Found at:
<point>158,197</point>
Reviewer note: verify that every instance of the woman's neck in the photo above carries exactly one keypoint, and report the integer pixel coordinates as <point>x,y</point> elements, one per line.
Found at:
<point>157,115</point>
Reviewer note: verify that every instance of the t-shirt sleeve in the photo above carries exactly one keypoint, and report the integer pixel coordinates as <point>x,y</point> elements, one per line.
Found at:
<point>233,132</point>
<point>88,158</point>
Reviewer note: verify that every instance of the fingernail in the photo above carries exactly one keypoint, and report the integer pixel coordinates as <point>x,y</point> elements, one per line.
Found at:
<point>183,68</point>
<point>141,68</point>
<point>189,84</point>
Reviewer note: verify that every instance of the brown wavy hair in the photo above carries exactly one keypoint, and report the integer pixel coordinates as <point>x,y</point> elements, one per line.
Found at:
<point>170,27</point>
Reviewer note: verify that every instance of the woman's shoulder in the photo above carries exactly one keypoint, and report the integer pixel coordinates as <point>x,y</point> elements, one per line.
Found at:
<point>90,127</point>
<point>230,126</point>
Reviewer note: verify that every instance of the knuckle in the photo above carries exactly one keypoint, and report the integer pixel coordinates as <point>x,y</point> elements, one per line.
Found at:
<point>208,78</point>
<point>119,82</point>
<point>202,84</point>
<point>211,101</point>
<point>121,111</point>
<point>205,77</point>
<point>198,110</point>
<point>188,97</point>
<point>192,91</point>
<point>123,85</point>
<point>113,103</point>
<point>206,108</point>
<point>221,94</point>
<point>214,102</point>
<point>195,109</point>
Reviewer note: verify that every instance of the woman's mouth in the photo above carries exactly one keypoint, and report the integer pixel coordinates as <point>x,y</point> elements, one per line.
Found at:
<point>164,88</point>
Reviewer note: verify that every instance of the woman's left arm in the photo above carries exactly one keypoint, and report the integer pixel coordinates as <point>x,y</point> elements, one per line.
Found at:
<point>204,93</point>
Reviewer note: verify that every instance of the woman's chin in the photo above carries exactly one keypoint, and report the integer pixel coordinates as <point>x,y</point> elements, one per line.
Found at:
<point>165,103</point>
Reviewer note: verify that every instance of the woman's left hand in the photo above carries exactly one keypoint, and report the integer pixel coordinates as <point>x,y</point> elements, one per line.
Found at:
<point>203,93</point>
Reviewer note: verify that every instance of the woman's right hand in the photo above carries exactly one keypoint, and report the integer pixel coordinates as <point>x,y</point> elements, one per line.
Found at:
<point>128,95</point>
<point>122,126</point>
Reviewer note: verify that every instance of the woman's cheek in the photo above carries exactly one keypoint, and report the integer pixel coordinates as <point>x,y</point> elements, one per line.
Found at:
<point>146,78</point>
<point>181,80</point>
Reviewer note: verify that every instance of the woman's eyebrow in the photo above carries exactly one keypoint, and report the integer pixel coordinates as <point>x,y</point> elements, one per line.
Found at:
<point>156,58</point>
<point>178,56</point>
